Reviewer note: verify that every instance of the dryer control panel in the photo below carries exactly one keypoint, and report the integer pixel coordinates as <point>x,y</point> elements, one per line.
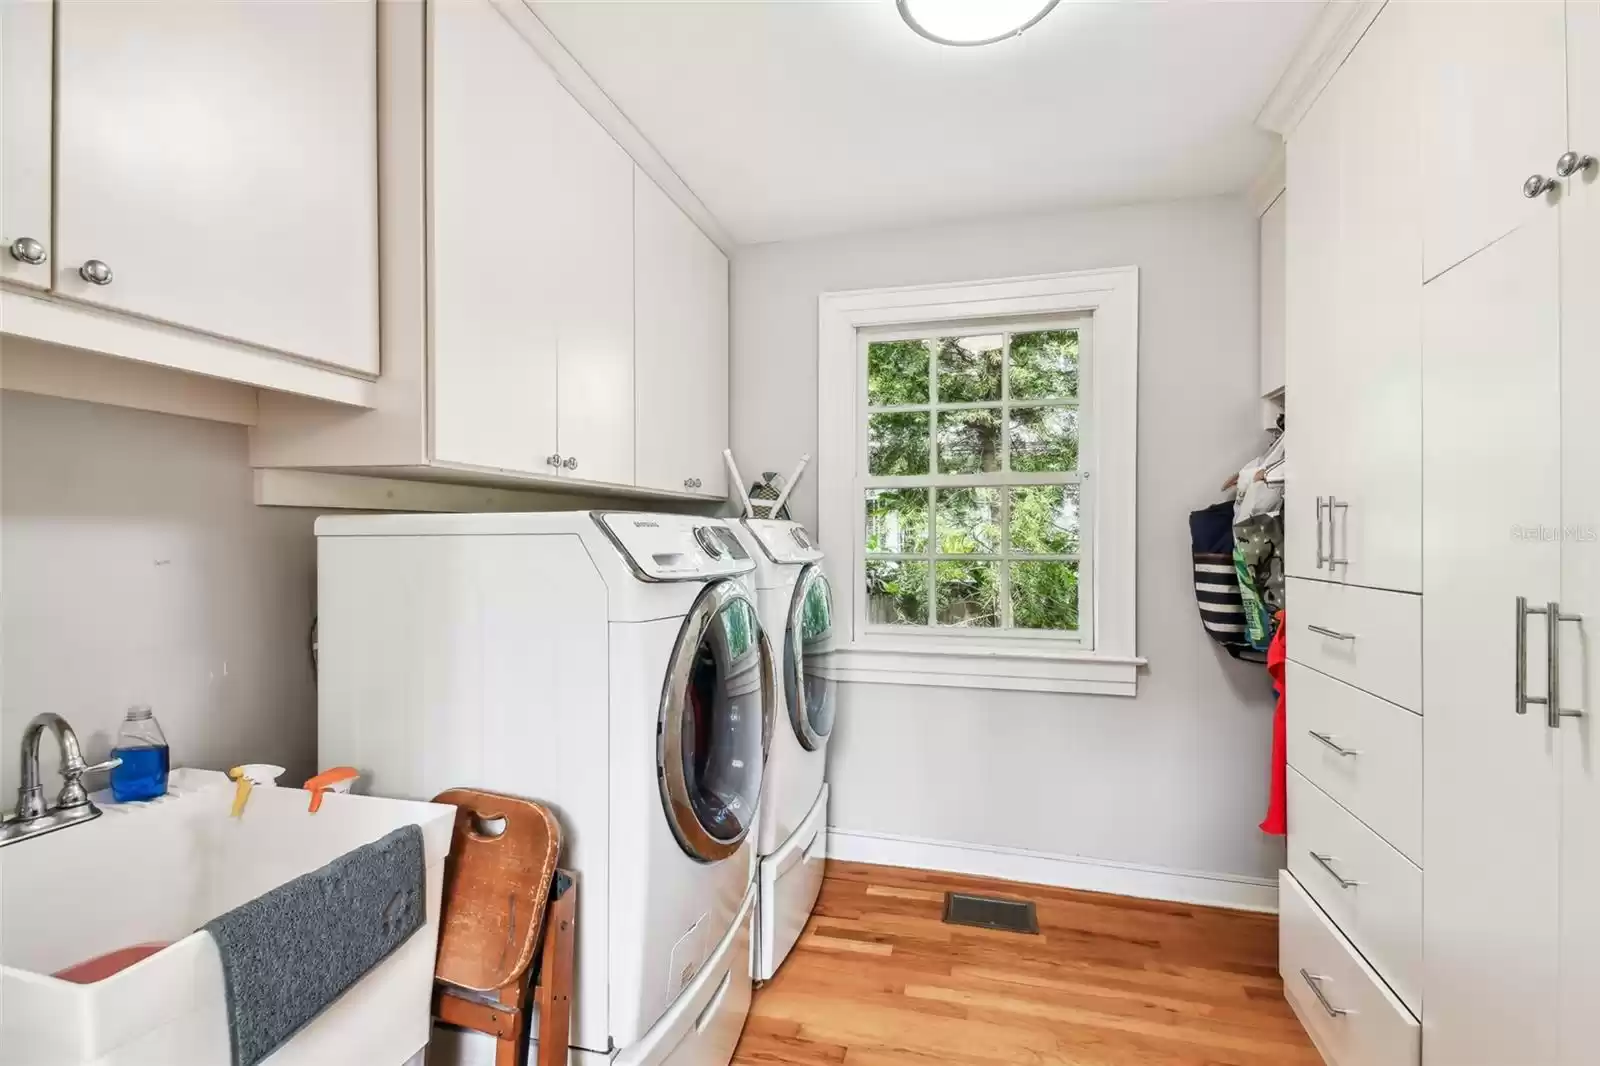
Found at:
<point>670,547</point>
<point>784,542</point>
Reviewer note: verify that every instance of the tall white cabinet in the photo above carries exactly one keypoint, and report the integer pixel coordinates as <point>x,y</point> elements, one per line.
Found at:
<point>1451,339</point>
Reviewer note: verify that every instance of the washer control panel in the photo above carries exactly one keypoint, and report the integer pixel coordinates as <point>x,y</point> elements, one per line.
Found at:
<point>666,547</point>
<point>784,542</point>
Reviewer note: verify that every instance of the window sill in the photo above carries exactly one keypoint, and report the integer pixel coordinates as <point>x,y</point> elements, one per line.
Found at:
<point>1011,669</point>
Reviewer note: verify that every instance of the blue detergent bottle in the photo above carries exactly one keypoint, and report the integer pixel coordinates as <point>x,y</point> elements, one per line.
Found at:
<point>145,757</point>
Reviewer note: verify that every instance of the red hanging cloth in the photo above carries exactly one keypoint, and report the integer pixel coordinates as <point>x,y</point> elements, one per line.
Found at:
<point>1277,820</point>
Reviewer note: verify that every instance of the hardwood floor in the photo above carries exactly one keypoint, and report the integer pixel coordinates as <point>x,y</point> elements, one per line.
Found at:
<point>878,979</point>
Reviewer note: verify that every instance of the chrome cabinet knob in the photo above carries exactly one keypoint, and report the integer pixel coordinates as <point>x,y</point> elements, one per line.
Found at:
<point>95,272</point>
<point>553,460</point>
<point>1571,163</point>
<point>27,250</point>
<point>691,482</point>
<point>569,463</point>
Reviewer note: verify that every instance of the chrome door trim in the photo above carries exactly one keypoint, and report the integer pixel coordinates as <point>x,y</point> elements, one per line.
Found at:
<point>676,804</point>
<point>794,635</point>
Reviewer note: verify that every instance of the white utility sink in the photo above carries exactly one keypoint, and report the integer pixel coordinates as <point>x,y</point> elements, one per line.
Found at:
<point>155,873</point>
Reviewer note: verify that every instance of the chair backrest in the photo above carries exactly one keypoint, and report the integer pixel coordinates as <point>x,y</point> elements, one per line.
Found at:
<point>496,886</point>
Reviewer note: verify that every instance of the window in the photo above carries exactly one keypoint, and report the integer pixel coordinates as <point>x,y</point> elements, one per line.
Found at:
<point>973,499</point>
<point>976,463</point>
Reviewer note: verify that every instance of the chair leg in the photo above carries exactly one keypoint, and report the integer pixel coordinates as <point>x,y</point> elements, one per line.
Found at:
<point>554,991</point>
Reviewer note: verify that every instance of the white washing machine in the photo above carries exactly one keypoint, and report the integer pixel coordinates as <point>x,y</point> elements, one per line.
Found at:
<point>796,608</point>
<point>610,664</point>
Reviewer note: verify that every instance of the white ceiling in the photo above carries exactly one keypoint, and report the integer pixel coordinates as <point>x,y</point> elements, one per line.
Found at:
<point>805,117</point>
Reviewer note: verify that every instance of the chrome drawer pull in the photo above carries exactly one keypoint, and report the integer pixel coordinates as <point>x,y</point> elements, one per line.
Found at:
<point>1328,741</point>
<point>1334,633</point>
<point>1321,556</point>
<point>1314,981</point>
<point>1326,861</point>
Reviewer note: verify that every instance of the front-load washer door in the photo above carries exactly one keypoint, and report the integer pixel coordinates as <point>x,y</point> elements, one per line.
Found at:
<point>811,696</point>
<point>716,723</point>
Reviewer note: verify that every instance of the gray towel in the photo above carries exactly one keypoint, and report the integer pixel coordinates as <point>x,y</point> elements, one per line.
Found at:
<point>290,953</point>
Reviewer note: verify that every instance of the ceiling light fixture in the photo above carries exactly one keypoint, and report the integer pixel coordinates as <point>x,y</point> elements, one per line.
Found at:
<point>971,22</point>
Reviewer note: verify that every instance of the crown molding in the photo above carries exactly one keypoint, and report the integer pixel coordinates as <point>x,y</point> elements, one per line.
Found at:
<point>1331,39</point>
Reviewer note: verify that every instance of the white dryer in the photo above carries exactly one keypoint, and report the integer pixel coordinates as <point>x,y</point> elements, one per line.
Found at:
<point>796,608</point>
<point>610,664</point>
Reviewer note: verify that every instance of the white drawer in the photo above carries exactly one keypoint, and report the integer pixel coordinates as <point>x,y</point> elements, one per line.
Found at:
<point>1368,637</point>
<point>1361,1023</point>
<point>1371,891</point>
<point>1363,751</point>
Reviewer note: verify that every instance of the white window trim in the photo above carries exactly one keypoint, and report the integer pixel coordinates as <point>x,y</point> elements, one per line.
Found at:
<point>994,661</point>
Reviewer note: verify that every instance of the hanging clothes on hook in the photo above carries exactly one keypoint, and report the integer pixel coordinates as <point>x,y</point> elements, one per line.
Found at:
<point>1258,540</point>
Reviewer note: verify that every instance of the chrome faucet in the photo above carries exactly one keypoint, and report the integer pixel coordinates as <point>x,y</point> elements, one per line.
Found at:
<point>33,816</point>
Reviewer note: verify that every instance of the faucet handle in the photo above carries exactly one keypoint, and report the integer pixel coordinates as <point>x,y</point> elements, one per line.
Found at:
<point>73,794</point>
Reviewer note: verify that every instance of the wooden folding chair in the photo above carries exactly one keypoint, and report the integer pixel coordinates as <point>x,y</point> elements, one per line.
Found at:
<point>504,900</point>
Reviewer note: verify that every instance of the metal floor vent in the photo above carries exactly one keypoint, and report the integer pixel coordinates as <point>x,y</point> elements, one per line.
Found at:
<point>989,912</point>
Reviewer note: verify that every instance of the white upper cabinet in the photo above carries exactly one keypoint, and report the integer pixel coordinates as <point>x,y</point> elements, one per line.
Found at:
<point>594,178</point>
<point>1354,362</point>
<point>25,64</point>
<point>216,169</point>
<point>1492,79</point>
<point>493,242</point>
<point>680,347</point>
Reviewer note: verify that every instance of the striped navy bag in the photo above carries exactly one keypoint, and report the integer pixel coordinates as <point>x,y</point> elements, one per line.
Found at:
<point>1216,583</point>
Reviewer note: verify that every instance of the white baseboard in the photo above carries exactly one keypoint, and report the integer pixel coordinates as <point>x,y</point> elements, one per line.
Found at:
<point>1060,871</point>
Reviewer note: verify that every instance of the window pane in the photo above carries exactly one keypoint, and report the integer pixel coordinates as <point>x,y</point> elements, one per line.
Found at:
<point>897,444</point>
<point>1044,365</point>
<point>897,592</point>
<point>969,369</point>
<point>1044,519</point>
<point>969,441</point>
<point>1044,595</point>
<point>969,594</point>
<point>897,373</point>
<point>1042,438</point>
<point>969,521</point>
<point>897,521</point>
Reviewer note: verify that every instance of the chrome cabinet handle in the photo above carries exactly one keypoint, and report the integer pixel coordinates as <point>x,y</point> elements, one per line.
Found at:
<point>1326,862</point>
<point>553,460</point>
<point>1334,633</point>
<point>1537,185</point>
<point>1321,503</point>
<point>95,272</point>
<point>1328,742</point>
<point>1314,981</point>
<point>1551,700</point>
<point>1571,162</point>
<point>27,250</point>
<point>1523,699</point>
<point>569,463</point>
<point>1335,505</point>
<point>1552,703</point>
<point>691,482</point>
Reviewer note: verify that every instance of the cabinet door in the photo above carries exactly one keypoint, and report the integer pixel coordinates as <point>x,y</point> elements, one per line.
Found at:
<point>595,214</point>
<point>26,53</point>
<point>680,346</point>
<point>1491,795</point>
<point>1311,401</point>
<point>1580,555</point>
<point>1492,79</point>
<point>221,161</point>
<point>493,199</point>
<point>1376,365</point>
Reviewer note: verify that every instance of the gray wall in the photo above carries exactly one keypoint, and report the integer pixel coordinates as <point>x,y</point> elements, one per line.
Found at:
<point>135,568</point>
<point>1176,777</point>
